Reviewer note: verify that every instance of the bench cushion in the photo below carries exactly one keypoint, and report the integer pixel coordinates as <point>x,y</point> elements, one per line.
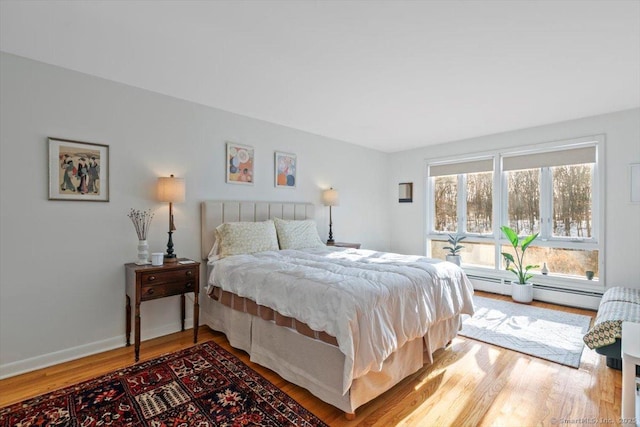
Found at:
<point>617,305</point>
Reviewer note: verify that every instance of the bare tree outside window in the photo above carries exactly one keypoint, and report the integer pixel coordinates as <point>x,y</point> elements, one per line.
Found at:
<point>446,203</point>
<point>479,202</point>
<point>524,200</point>
<point>572,202</point>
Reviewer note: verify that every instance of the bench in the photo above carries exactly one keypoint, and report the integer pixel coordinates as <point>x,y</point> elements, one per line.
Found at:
<point>618,305</point>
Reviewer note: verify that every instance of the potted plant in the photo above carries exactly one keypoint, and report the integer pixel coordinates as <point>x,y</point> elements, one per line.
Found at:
<point>522,289</point>
<point>454,248</point>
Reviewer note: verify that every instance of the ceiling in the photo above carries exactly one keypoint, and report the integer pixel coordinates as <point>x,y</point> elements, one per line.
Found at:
<point>390,75</point>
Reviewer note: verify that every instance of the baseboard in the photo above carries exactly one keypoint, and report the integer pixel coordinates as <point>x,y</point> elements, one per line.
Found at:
<point>49,359</point>
<point>542,293</point>
<point>38,362</point>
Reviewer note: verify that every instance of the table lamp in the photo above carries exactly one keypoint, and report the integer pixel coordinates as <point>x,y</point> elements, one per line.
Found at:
<point>330,198</point>
<point>172,190</point>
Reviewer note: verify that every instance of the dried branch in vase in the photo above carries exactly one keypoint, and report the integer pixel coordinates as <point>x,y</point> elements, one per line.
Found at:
<point>141,221</point>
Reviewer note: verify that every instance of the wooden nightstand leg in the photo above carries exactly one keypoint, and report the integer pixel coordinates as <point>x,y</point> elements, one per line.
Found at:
<point>182,310</point>
<point>196,317</point>
<point>137,339</point>
<point>128,322</point>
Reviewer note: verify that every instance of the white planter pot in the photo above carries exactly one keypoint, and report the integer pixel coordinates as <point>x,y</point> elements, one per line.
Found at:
<point>522,293</point>
<point>456,259</point>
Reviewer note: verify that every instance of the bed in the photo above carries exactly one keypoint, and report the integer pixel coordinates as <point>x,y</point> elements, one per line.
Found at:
<point>345,324</point>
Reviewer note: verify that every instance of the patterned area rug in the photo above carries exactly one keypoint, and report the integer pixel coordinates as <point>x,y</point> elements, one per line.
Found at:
<point>201,386</point>
<point>547,334</point>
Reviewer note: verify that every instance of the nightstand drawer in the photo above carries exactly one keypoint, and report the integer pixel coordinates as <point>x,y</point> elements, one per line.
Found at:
<point>151,278</point>
<point>166,289</point>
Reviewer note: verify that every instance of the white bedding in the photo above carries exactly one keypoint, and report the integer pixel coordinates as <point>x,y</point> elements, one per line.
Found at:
<point>372,302</point>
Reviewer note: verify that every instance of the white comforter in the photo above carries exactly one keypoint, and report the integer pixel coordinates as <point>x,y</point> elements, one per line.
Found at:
<point>372,302</point>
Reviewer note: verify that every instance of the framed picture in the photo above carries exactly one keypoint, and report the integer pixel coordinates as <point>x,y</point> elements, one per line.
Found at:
<point>240,163</point>
<point>405,192</point>
<point>78,171</point>
<point>286,166</point>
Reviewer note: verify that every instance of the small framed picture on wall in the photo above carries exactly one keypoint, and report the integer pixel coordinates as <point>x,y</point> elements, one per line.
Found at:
<point>240,164</point>
<point>286,166</point>
<point>78,171</point>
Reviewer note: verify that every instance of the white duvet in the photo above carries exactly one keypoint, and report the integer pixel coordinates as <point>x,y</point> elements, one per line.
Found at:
<point>372,302</point>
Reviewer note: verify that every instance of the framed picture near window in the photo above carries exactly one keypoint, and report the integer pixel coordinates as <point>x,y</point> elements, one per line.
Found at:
<point>286,166</point>
<point>78,171</point>
<point>405,192</point>
<point>240,164</point>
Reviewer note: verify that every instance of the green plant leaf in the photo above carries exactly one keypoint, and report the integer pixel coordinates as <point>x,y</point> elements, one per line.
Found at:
<point>527,241</point>
<point>511,235</point>
<point>527,277</point>
<point>508,256</point>
<point>529,267</point>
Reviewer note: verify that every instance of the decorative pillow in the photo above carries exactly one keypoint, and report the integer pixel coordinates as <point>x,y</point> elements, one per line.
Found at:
<point>236,238</point>
<point>297,234</point>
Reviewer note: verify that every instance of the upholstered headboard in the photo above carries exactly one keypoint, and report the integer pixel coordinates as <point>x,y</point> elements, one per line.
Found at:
<point>216,212</point>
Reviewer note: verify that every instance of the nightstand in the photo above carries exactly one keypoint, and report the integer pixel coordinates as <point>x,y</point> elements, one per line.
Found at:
<point>345,245</point>
<point>146,282</point>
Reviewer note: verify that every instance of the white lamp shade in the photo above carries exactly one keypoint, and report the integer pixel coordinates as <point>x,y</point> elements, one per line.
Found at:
<point>330,197</point>
<point>171,189</point>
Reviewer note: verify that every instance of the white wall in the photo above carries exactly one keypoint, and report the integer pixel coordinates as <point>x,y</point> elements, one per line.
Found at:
<point>622,218</point>
<point>61,263</point>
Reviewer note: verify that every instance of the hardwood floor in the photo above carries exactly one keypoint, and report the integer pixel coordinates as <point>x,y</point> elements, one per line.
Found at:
<point>470,383</point>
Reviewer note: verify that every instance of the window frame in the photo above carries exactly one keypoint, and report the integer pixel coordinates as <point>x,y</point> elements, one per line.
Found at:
<point>500,210</point>
<point>461,198</point>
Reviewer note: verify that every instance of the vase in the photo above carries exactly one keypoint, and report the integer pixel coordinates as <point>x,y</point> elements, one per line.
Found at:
<point>544,270</point>
<point>456,259</point>
<point>143,252</point>
<point>522,293</point>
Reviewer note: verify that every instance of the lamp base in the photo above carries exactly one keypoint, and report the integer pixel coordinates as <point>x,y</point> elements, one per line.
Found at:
<point>168,259</point>
<point>330,242</point>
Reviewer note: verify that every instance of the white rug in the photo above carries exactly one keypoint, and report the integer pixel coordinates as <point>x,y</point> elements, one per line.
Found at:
<point>547,334</point>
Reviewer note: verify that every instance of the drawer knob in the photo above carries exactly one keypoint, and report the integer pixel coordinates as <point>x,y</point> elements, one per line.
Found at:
<point>152,278</point>
<point>150,291</point>
<point>189,273</point>
<point>189,285</point>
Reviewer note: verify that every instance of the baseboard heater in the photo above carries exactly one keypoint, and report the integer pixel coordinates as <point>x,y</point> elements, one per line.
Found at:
<point>553,294</point>
<point>485,279</point>
<point>568,291</point>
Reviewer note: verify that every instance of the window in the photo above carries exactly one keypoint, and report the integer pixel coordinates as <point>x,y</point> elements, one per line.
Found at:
<point>551,189</point>
<point>446,189</point>
<point>479,202</point>
<point>572,200</point>
<point>523,200</point>
<point>463,194</point>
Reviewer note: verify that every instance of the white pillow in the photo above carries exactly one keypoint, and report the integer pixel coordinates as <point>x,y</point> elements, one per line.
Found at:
<point>297,234</point>
<point>236,238</point>
<point>214,253</point>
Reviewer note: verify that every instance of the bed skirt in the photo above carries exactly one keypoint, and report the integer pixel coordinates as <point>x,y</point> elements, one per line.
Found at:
<point>318,366</point>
